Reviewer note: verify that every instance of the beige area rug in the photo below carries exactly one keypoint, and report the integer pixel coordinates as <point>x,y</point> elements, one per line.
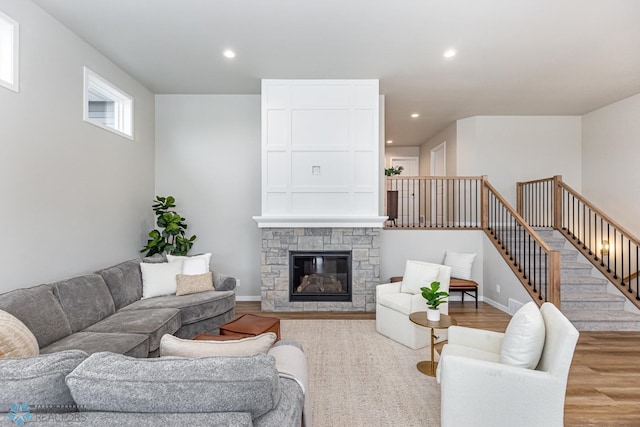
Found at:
<point>361,378</point>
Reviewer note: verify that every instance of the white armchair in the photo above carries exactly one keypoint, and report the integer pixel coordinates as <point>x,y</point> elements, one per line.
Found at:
<point>394,307</point>
<point>477,390</point>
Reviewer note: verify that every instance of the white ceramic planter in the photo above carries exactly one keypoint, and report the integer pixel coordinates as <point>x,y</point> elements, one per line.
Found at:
<point>433,315</point>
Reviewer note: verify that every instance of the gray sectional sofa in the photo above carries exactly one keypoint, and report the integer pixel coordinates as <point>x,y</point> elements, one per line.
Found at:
<point>106,389</point>
<point>105,312</point>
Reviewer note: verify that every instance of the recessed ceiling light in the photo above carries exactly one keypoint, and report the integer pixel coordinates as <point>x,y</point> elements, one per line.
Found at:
<point>390,141</point>
<point>450,53</point>
<point>414,115</point>
<point>229,54</point>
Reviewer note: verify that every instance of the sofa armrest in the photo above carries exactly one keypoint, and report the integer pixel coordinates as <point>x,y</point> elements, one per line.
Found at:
<point>476,338</point>
<point>526,397</point>
<point>388,288</point>
<point>222,282</point>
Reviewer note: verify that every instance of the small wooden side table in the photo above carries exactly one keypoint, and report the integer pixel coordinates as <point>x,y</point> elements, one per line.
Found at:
<point>428,367</point>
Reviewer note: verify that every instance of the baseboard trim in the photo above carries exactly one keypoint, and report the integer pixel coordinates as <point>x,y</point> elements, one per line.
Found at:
<point>497,305</point>
<point>248,298</point>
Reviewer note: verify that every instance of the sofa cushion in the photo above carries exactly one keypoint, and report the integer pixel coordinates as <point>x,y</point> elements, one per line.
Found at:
<point>210,419</point>
<point>524,338</point>
<point>16,340</point>
<point>399,302</point>
<point>85,300</point>
<point>112,382</point>
<point>193,307</point>
<point>134,345</point>
<point>39,309</point>
<point>38,380</point>
<point>289,409</point>
<point>469,352</point>
<point>124,281</point>
<point>153,323</point>
<point>173,346</point>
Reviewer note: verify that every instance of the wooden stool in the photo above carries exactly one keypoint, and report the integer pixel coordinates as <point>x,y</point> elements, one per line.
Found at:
<point>250,325</point>
<point>465,287</point>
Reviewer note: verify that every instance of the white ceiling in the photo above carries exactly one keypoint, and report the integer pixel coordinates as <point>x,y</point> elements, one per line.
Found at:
<point>524,57</point>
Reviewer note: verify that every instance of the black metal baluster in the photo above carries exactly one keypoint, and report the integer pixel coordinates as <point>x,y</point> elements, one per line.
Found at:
<point>609,253</point>
<point>637,277</point>
<point>590,235</point>
<point>601,240</point>
<point>615,253</point>
<point>629,266</point>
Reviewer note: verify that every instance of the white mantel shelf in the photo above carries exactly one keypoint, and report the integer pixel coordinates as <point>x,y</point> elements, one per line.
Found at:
<point>320,221</point>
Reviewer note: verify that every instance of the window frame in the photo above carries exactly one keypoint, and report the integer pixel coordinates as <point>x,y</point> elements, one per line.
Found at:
<point>14,56</point>
<point>123,104</point>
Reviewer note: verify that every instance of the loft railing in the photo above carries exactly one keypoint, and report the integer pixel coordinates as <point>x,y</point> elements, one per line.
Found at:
<point>530,258</point>
<point>433,202</point>
<point>610,247</point>
<point>468,203</point>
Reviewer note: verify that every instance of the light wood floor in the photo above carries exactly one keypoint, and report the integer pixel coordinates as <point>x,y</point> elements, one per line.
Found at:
<point>604,381</point>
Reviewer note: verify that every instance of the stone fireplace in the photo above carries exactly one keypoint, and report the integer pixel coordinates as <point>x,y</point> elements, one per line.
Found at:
<point>279,243</point>
<point>321,171</point>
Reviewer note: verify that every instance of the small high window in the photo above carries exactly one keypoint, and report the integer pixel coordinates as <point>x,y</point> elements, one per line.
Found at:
<point>8,53</point>
<point>107,106</point>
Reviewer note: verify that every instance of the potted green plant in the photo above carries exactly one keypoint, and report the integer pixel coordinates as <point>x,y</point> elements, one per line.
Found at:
<point>393,171</point>
<point>434,297</point>
<point>171,237</point>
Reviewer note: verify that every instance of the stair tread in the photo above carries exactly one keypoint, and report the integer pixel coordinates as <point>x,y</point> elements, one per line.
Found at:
<point>575,264</point>
<point>591,296</point>
<point>601,316</point>
<point>582,280</point>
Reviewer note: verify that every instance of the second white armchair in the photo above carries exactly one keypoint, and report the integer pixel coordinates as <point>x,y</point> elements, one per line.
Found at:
<point>396,301</point>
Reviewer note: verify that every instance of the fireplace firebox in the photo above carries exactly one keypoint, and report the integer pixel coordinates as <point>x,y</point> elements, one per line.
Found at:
<point>320,276</point>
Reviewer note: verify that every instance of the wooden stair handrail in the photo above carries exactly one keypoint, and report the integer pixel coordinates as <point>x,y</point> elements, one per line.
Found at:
<point>520,220</point>
<point>553,280</point>
<point>601,214</point>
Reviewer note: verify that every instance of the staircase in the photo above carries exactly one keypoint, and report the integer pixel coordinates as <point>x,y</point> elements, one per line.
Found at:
<point>585,300</point>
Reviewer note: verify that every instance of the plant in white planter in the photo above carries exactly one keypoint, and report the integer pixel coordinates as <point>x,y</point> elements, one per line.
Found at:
<point>434,297</point>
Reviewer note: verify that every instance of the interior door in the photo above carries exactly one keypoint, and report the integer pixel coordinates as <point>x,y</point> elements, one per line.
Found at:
<point>407,200</point>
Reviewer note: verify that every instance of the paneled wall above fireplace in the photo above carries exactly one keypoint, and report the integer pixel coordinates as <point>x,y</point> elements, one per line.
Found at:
<point>320,153</point>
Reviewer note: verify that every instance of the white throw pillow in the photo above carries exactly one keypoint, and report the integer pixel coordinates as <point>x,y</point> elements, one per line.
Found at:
<point>174,346</point>
<point>524,338</point>
<point>159,279</point>
<point>194,267</point>
<point>418,274</point>
<point>460,264</point>
<point>206,257</point>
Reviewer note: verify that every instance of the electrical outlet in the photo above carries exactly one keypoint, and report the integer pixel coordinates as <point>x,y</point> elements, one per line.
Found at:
<point>498,288</point>
<point>237,283</point>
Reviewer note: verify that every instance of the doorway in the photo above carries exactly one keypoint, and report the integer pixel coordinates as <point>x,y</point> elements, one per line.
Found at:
<point>407,188</point>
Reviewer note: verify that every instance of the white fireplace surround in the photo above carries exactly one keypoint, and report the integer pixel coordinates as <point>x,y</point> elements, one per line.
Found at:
<point>320,154</point>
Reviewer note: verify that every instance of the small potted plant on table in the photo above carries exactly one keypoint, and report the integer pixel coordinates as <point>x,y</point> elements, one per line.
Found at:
<point>434,297</point>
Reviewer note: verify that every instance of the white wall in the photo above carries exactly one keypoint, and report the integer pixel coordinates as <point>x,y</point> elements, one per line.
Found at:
<point>448,134</point>
<point>498,273</point>
<point>520,148</point>
<point>75,197</point>
<point>610,160</point>
<point>208,157</point>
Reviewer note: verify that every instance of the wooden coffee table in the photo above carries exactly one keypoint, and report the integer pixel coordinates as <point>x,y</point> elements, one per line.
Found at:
<point>428,367</point>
